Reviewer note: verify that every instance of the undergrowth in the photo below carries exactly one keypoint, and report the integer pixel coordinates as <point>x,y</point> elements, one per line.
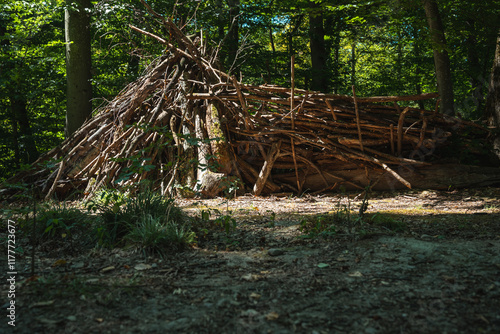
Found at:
<point>148,222</point>
<point>343,220</point>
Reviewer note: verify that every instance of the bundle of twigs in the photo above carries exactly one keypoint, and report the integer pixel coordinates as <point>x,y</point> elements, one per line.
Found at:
<point>274,139</point>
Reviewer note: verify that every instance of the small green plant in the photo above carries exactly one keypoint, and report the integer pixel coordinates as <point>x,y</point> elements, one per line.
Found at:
<point>153,236</point>
<point>387,222</point>
<point>227,222</point>
<point>318,226</point>
<point>59,221</point>
<point>147,221</point>
<point>326,225</point>
<point>272,218</point>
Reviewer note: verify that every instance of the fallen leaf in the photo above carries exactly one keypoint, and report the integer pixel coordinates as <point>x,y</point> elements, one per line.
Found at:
<point>99,320</point>
<point>250,277</point>
<point>249,313</point>
<point>60,262</point>
<point>355,274</point>
<point>271,316</point>
<point>254,295</point>
<point>107,269</point>
<point>142,266</point>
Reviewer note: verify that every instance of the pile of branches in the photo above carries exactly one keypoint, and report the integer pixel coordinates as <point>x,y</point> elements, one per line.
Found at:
<point>187,124</point>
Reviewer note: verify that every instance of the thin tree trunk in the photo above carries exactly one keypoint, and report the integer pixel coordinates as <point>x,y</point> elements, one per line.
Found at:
<point>233,34</point>
<point>78,64</point>
<point>29,153</point>
<point>418,72</point>
<point>353,64</point>
<point>474,70</point>
<point>441,57</point>
<point>332,29</point>
<point>319,73</point>
<point>493,100</point>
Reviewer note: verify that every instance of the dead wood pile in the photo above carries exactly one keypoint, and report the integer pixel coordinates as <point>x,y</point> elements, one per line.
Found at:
<point>273,139</point>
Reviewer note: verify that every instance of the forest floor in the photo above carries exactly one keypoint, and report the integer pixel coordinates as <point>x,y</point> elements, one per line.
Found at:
<point>430,263</point>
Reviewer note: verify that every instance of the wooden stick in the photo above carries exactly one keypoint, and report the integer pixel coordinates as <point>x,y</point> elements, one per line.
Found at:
<point>331,109</point>
<point>292,98</point>
<point>400,130</point>
<point>248,123</point>
<point>392,139</point>
<point>54,185</point>
<point>357,118</point>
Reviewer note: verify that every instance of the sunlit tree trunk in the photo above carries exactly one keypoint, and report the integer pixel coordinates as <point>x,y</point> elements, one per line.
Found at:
<point>78,64</point>
<point>441,57</point>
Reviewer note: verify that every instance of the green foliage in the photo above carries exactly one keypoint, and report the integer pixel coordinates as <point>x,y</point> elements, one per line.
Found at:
<point>325,225</point>
<point>154,236</point>
<point>59,222</point>
<point>225,222</point>
<point>319,226</point>
<point>387,222</point>
<point>147,221</point>
<point>342,218</point>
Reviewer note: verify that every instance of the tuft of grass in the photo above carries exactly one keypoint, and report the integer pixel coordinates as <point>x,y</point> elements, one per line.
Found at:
<point>153,236</point>
<point>149,222</point>
<point>387,222</point>
<point>319,226</point>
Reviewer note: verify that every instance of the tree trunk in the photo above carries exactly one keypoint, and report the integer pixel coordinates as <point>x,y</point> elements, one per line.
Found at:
<point>441,58</point>
<point>319,73</point>
<point>353,64</point>
<point>27,149</point>
<point>78,64</point>
<point>474,71</point>
<point>332,46</point>
<point>493,100</point>
<point>233,35</point>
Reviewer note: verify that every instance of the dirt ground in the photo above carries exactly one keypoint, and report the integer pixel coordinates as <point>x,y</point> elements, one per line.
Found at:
<point>433,267</point>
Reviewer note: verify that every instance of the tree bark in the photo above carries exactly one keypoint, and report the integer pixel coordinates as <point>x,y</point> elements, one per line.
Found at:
<point>493,99</point>
<point>319,73</point>
<point>233,35</point>
<point>475,69</point>
<point>78,64</point>
<point>441,57</point>
<point>28,151</point>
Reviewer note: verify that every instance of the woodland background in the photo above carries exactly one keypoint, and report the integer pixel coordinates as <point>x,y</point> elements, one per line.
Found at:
<point>381,47</point>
